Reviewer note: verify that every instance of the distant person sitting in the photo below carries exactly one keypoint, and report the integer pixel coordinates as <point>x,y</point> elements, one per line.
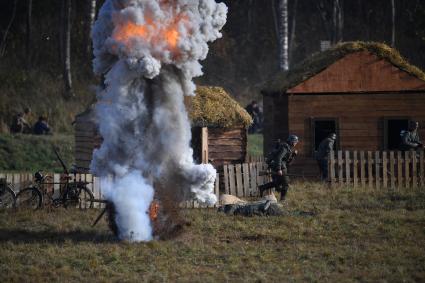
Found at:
<point>322,155</point>
<point>41,127</point>
<point>20,124</point>
<point>254,111</point>
<point>410,139</point>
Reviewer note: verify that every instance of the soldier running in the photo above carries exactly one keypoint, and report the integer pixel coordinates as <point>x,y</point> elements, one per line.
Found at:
<point>278,161</point>
<point>410,139</point>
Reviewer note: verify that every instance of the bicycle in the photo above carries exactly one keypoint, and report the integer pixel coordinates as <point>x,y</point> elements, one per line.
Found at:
<point>74,194</point>
<point>7,195</point>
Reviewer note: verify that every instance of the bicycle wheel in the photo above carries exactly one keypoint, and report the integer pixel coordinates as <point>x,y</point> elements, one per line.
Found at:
<point>7,197</point>
<point>29,198</point>
<point>80,197</point>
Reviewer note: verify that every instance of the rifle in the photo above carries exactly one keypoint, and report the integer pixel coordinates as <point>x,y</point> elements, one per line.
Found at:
<point>269,172</point>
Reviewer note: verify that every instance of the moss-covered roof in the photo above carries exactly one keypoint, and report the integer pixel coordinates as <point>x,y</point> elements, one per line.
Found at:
<point>213,107</point>
<point>321,60</point>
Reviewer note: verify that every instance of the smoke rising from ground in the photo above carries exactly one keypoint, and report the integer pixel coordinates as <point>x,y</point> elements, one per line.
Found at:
<point>149,51</point>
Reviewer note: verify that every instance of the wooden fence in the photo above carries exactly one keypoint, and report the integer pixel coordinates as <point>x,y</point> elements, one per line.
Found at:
<point>242,180</point>
<point>377,169</point>
<point>20,181</point>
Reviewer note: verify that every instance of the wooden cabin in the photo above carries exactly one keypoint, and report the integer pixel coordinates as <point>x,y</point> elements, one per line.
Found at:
<point>364,92</point>
<point>219,129</point>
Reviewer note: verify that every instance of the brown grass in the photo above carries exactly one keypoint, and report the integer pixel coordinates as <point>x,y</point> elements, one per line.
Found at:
<point>353,235</point>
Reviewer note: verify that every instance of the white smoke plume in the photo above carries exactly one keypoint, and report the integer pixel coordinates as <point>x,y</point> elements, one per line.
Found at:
<point>149,52</point>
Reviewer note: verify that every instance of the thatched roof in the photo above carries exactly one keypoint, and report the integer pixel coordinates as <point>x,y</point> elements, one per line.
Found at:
<point>213,107</point>
<point>320,61</point>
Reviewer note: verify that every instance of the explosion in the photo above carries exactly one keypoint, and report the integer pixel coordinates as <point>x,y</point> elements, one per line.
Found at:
<point>148,52</point>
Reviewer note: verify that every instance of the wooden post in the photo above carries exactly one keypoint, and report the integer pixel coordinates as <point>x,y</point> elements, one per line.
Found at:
<point>204,146</point>
<point>239,184</point>
<point>377,170</point>
<point>421,168</point>
<point>399,170</point>
<point>362,169</point>
<point>407,168</point>
<point>355,169</point>
<point>245,170</point>
<point>369,169</point>
<point>217,188</point>
<point>232,179</point>
<point>392,169</point>
<point>340,171</point>
<point>384,170</point>
<point>347,168</point>
<point>253,179</point>
<point>331,168</point>
<point>414,170</point>
<point>226,179</point>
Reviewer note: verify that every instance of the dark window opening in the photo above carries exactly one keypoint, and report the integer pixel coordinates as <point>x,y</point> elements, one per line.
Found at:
<point>393,128</point>
<point>322,129</point>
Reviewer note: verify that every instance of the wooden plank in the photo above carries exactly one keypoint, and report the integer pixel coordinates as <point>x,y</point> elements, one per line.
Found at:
<point>226,179</point>
<point>239,184</point>
<point>253,179</point>
<point>384,170</point>
<point>355,169</point>
<point>217,189</point>
<point>414,170</point>
<point>370,169</point>
<point>421,168</point>
<point>407,168</point>
<point>347,168</point>
<point>204,144</point>
<point>232,179</point>
<point>362,168</point>
<point>245,171</point>
<point>392,169</point>
<point>331,168</point>
<point>340,170</point>
<point>377,170</point>
<point>399,170</point>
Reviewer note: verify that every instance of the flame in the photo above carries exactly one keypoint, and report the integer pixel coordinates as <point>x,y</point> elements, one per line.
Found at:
<point>153,210</point>
<point>153,33</point>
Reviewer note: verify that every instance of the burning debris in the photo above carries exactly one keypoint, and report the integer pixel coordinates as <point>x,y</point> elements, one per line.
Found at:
<point>149,51</point>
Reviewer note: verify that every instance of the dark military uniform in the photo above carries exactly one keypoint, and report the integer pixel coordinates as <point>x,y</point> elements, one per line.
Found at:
<point>322,154</point>
<point>280,161</point>
<point>410,141</point>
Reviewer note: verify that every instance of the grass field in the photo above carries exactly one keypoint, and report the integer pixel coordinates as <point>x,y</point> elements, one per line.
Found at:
<point>255,144</point>
<point>354,235</point>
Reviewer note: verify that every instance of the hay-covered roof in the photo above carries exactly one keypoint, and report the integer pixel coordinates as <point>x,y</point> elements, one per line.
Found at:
<point>320,61</point>
<point>213,107</point>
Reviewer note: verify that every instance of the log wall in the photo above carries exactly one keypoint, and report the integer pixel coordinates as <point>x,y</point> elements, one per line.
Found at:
<point>227,145</point>
<point>360,116</point>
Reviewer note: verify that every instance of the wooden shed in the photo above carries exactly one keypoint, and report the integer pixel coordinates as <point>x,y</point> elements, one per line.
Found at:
<point>365,92</point>
<point>219,129</point>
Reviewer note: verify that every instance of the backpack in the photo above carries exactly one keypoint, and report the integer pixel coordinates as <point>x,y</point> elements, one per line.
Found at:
<point>271,156</point>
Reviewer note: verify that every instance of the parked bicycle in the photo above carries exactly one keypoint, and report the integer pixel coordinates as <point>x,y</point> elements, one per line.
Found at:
<point>72,193</point>
<point>7,195</point>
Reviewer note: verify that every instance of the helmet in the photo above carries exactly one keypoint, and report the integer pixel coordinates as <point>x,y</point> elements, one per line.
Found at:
<point>292,138</point>
<point>38,176</point>
<point>332,136</point>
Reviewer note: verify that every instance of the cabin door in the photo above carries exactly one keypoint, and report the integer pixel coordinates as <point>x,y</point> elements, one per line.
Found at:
<point>322,127</point>
<point>392,129</point>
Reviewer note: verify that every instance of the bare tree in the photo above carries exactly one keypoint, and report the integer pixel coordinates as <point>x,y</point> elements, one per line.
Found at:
<point>393,23</point>
<point>90,18</point>
<point>29,34</point>
<point>66,64</point>
<point>4,39</point>
<point>293,25</point>
<point>283,35</point>
<point>332,16</point>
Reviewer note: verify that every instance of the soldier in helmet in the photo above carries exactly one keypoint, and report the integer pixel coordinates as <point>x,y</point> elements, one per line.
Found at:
<point>410,138</point>
<point>282,155</point>
<point>325,147</point>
